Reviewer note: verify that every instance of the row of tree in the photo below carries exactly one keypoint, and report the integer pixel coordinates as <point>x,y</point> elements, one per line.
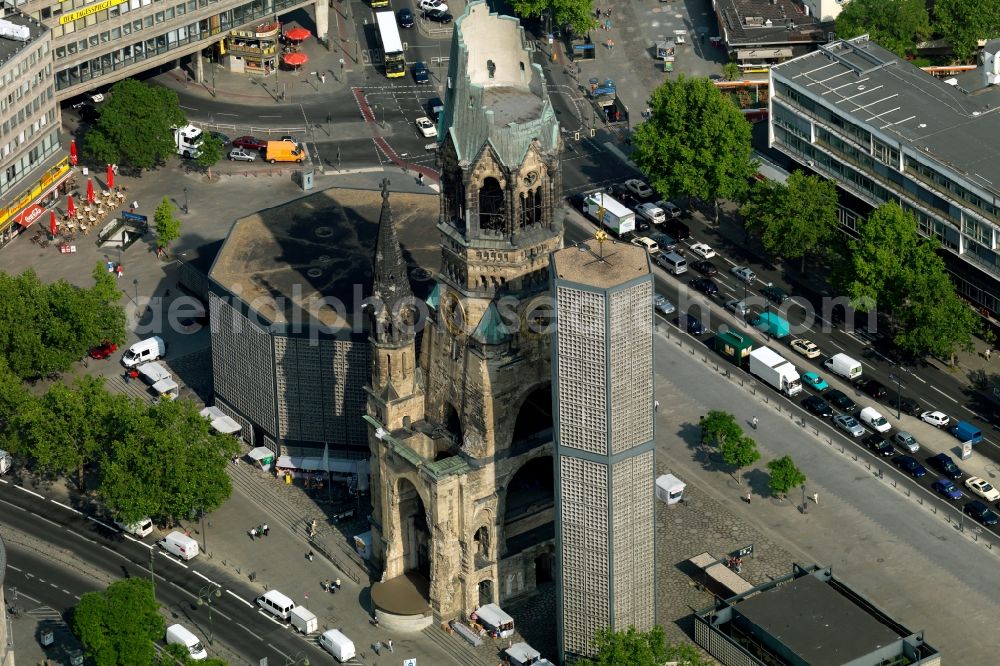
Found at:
<point>899,25</point>
<point>696,143</point>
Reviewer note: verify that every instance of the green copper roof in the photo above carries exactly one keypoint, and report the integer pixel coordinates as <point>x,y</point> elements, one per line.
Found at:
<point>491,330</point>
<point>434,299</point>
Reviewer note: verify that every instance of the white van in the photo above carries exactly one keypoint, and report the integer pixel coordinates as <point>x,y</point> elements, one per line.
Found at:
<point>673,262</point>
<point>276,604</point>
<point>648,244</point>
<point>179,544</point>
<point>843,365</point>
<point>872,418</point>
<point>140,528</point>
<point>149,349</point>
<point>179,635</point>
<point>337,644</point>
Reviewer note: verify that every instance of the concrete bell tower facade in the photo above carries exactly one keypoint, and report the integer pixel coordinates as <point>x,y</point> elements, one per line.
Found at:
<point>484,372</point>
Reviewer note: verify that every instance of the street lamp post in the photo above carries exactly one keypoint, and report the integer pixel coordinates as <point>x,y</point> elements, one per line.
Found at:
<point>135,299</point>
<point>185,201</point>
<point>205,596</point>
<point>893,377</point>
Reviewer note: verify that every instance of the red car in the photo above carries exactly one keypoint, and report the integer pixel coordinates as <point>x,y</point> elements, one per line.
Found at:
<point>103,350</point>
<point>250,143</point>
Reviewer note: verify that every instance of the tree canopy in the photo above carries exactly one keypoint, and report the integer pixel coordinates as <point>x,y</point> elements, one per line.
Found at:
<point>740,452</point>
<point>695,142</point>
<point>636,648</point>
<point>168,227</point>
<point>135,127</point>
<point>718,427</point>
<point>896,25</point>
<point>964,22</point>
<point>45,328</point>
<point>210,152</point>
<point>578,14</point>
<point>784,476</point>
<point>119,625</point>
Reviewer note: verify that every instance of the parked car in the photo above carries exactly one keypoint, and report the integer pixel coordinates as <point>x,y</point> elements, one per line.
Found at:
<point>738,308</point>
<point>691,324</point>
<point>980,512</point>
<point>818,406</point>
<point>428,5</point>
<point>774,294</point>
<point>663,305</point>
<point>814,381</point>
<point>702,250</point>
<point>943,463</point>
<point>405,17</point>
<point>906,441</point>
<point>848,424</point>
<point>624,194</point>
<point>242,155</point>
<point>639,188</point>
<point>807,348</point>
<point>669,208</point>
<point>910,465</point>
<point>909,406</point>
<point>641,224</point>
<point>677,229</point>
<point>103,350</point>
<point>705,286</point>
<point>222,138</point>
<point>879,446</point>
<point>438,16</point>
<point>426,127</point>
<point>935,418</point>
<point>744,274</point>
<point>705,267</point>
<point>434,108</point>
<point>250,143</point>
<point>651,212</point>
<point>420,74</point>
<point>839,399</point>
<point>947,488</point>
<point>982,488</point>
<point>874,388</point>
<point>666,243</point>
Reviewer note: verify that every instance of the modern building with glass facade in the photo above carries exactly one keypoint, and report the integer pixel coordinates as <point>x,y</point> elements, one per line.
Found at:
<point>603,400</point>
<point>885,130</point>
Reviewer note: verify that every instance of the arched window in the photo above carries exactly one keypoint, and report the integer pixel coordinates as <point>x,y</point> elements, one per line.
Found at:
<point>491,208</point>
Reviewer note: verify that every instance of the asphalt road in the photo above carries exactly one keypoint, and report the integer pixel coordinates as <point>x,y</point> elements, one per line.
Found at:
<point>235,620</point>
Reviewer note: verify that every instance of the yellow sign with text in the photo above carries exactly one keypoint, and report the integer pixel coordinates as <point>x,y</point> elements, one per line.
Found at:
<point>87,11</point>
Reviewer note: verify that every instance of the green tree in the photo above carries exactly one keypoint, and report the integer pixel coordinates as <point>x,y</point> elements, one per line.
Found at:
<point>695,143</point>
<point>13,398</point>
<point>896,25</point>
<point>731,71</point>
<point>135,127</point>
<point>739,451</point>
<point>718,427</point>
<point>794,219</point>
<point>210,152</point>
<point>578,14</point>
<point>119,625</point>
<point>964,22</point>
<point>168,227</point>
<point>636,648</point>
<point>784,476</point>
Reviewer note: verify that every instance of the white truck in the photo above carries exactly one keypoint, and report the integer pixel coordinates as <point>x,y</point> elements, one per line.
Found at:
<point>613,215</point>
<point>771,367</point>
<point>843,365</point>
<point>188,141</point>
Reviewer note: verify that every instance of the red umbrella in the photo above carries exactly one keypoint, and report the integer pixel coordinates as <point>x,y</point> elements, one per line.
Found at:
<point>295,59</point>
<point>297,34</point>
<point>111,178</point>
<point>70,208</point>
<point>72,152</point>
<point>90,191</point>
<point>53,225</point>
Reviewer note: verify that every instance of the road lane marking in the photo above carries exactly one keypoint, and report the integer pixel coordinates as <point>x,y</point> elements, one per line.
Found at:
<point>198,573</point>
<point>102,523</point>
<point>67,507</point>
<point>30,492</point>
<point>177,562</point>
<point>279,651</point>
<point>247,629</point>
<point>922,381</point>
<point>22,594</point>
<point>236,596</point>
<point>945,394</point>
<point>271,618</point>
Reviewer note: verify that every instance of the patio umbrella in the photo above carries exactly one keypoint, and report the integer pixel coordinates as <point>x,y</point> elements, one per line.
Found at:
<point>70,207</point>
<point>111,178</point>
<point>90,190</point>
<point>295,59</point>
<point>72,152</point>
<point>53,225</point>
<point>297,34</point>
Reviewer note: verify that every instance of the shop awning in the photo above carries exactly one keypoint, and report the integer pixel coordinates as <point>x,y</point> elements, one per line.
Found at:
<point>221,422</point>
<point>261,454</point>
<point>762,54</point>
<point>494,616</point>
<point>313,464</point>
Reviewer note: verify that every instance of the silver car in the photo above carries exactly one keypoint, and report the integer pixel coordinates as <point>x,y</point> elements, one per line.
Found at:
<point>744,274</point>
<point>663,305</point>
<point>905,440</point>
<point>241,155</point>
<point>848,424</point>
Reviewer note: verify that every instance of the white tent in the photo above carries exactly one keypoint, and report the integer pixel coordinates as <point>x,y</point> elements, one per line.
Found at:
<point>220,422</point>
<point>493,617</point>
<point>669,489</point>
<point>263,456</point>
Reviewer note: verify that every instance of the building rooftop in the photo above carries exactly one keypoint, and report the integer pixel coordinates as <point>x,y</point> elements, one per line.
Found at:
<point>954,125</point>
<point>760,22</point>
<point>321,247</point>
<point>10,47</point>
<point>602,267</point>
<point>816,623</point>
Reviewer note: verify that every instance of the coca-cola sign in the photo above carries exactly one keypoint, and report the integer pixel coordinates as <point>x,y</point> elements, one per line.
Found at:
<point>30,214</point>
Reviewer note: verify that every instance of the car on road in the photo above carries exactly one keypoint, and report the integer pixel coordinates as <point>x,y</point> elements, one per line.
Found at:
<point>947,488</point>
<point>96,97</point>
<point>872,418</point>
<point>434,108</point>
<point>705,286</point>
<point>676,228</point>
<point>651,212</point>
<point>242,155</point>
<point>774,294</point>
<point>848,424</point>
<point>814,381</point>
<point>982,488</point>
<point>702,250</point>
<point>641,224</point>
<point>935,418</point>
<point>250,143</point>
<point>691,324</point>
<point>289,138</point>
<point>906,441</point>
<point>705,267</point>
<point>669,208</point>
<point>639,188</point>
<point>909,406</point>
<point>879,446</point>
<point>623,195</point>
<point>222,138</point>
<point>910,465</point>
<point>874,388</point>
<point>663,305</point>
<point>840,400</point>
<point>807,348</point>
<point>438,16</point>
<point>426,127</point>
<point>981,513</point>
<point>428,5</point>
<point>405,17</point>
<point>738,308</point>
<point>943,463</point>
<point>420,73</point>
<point>665,242</point>
<point>744,274</point>
<point>103,350</point>
<point>818,406</point>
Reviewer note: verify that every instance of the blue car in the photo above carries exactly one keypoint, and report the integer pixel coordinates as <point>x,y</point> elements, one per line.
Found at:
<point>691,324</point>
<point>405,18</point>
<point>420,74</point>
<point>947,488</point>
<point>814,381</point>
<point>910,465</point>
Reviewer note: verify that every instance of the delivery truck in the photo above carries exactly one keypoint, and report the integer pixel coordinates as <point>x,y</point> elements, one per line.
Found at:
<point>610,213</point>
<point>773,325</point>
<point>303,619</point>
<point>772,368</point>
<point>966,432</point>
<point>843,365</point>
<point>734,347</point>
<point>187,140</point>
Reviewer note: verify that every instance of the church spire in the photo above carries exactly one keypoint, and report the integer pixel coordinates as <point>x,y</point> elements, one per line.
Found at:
<point>394,310</point>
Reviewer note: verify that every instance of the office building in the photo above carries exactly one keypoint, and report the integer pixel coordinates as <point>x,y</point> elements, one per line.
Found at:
<point>603,401</point>
<point>759,33</point>
<point>885,130</point>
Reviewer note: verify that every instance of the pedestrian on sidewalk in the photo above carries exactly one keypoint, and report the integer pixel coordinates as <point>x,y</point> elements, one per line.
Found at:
<point>389,645</point>
<point>815,498</point>
<point>748,497</point>
<point>252,532</point>
<point>267,530</point>
<point>597,13</point>
<point>656,405</point>
<point>322,77</point>
<point>611,44</point>
<point>309,556</point>
<point>988,353</point>
<point>135,205</point>
<point>420,181</point>
<point>337,583</point>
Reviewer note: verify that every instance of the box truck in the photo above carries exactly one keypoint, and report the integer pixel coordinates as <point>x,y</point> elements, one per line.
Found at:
<point>303,619</point>
<point>734,347</point>
<point>773,325</point>
<point>843,365</point>
<point>771,367</point>
<point>966,432</point>
<point>612,215</point>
